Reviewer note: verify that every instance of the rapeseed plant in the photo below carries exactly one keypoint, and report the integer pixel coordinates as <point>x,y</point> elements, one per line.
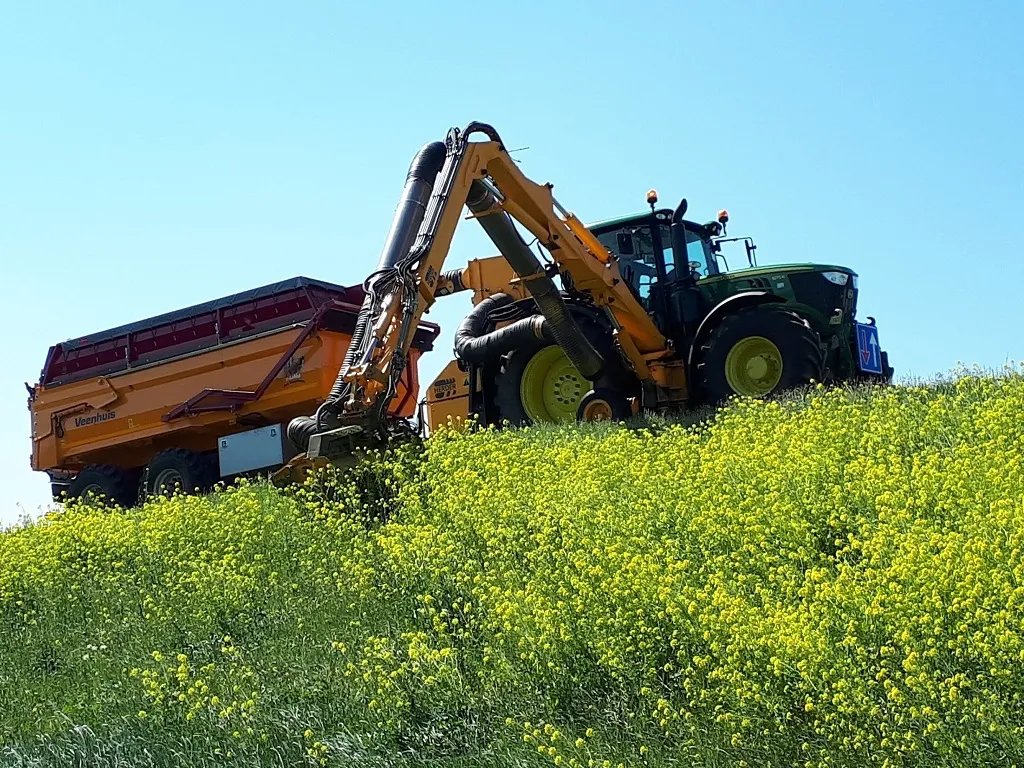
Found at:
<point>832,579</point>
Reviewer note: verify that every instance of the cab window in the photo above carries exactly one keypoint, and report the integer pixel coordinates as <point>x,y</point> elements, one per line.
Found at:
<point>699,257</point>
<point>698,254</point>
<point>638,267</point>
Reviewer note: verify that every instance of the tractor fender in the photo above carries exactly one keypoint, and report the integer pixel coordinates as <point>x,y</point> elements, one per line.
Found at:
<point>725,307</point>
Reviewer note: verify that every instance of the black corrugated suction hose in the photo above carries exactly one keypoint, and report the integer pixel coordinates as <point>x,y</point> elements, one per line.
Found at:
<point>473,345</point>
<point>300,430</point>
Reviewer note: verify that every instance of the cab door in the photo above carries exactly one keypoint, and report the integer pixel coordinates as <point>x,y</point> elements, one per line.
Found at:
<point>688,258</point>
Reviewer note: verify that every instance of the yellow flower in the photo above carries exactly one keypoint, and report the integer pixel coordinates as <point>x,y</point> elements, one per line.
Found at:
<point>837,574</point>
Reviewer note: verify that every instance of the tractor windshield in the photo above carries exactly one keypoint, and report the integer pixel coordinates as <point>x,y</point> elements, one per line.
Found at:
<point>700,260</point>
<point>634,246</point>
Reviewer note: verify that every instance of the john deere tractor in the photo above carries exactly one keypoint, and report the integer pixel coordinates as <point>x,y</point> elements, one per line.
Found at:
<point>752,330</point>
<point>748,330</point>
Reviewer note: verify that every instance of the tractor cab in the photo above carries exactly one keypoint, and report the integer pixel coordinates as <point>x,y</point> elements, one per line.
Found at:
<point>663,257</point>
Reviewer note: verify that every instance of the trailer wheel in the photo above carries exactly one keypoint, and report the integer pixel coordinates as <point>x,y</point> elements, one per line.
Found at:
<point>180,469</point>
<point>104,481</point>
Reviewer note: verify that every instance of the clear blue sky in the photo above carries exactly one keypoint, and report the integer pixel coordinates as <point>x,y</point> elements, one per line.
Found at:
<point>160,154</point>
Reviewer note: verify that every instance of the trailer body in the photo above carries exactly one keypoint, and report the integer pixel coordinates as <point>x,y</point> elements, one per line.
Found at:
<point>186,379</point>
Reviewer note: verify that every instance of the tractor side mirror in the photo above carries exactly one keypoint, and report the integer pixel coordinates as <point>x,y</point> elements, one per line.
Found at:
<point>624,243</point>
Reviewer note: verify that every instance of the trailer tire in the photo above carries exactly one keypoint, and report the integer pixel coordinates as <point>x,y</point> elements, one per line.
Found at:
<point>105,481</point>
<point>191,472</point>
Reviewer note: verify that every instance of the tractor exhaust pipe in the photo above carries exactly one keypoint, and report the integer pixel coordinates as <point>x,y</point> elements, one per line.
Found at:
<point>559,322</point>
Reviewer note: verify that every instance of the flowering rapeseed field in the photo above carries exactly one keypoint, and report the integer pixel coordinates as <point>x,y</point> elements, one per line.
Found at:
<point>834,580</point>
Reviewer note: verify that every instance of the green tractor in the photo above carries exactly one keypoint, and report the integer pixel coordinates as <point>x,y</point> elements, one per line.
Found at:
<point>754,331</point>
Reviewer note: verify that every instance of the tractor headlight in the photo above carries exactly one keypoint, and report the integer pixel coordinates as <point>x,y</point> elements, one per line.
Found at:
<point>839,278</point>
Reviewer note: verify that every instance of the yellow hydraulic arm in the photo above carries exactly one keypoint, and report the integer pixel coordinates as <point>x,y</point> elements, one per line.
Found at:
<point>482,176</point>
<point>573,247</point>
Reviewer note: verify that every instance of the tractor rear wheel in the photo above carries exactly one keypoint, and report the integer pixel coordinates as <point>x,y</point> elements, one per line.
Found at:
<point>105,482</point>
<point>759,351</point>
<point>539,384</point>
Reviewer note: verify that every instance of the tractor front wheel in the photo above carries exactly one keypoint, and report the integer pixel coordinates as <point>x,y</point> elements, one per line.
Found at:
<point>757,352</point>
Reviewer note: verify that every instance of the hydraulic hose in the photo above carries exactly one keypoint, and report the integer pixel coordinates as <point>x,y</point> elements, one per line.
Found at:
<point>559,322</point>
<point>473,345</point>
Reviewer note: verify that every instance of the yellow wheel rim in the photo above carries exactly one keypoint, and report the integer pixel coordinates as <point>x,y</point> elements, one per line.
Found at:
<point>551,387</point>
<point>753,367</point>
<point>597,410</point>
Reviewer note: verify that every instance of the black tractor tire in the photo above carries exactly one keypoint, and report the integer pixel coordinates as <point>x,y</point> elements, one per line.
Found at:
<point>802,358</point>
<point>189,471</point>
<point>607,403</point>
<point>506,389</point>
<point>110,483</point>
<point>506,384</point>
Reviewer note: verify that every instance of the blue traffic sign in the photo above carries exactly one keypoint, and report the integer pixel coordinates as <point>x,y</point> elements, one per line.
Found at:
<point>869,354</point>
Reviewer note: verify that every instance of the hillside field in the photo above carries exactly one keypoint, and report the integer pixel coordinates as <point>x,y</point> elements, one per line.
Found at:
<point>836,579</point>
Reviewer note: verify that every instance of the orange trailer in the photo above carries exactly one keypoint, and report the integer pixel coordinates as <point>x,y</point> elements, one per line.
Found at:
<point>197,394</point>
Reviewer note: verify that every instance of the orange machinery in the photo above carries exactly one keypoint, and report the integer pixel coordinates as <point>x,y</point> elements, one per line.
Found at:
<point>133,409</point>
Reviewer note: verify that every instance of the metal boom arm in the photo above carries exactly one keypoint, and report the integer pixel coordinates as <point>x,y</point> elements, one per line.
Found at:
<point>482,176</point>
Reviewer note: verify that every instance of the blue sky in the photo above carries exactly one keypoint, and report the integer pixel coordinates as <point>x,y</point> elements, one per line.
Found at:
<point>156,155</point>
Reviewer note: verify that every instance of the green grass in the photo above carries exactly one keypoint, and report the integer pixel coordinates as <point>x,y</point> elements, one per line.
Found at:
<point>837,579</point>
